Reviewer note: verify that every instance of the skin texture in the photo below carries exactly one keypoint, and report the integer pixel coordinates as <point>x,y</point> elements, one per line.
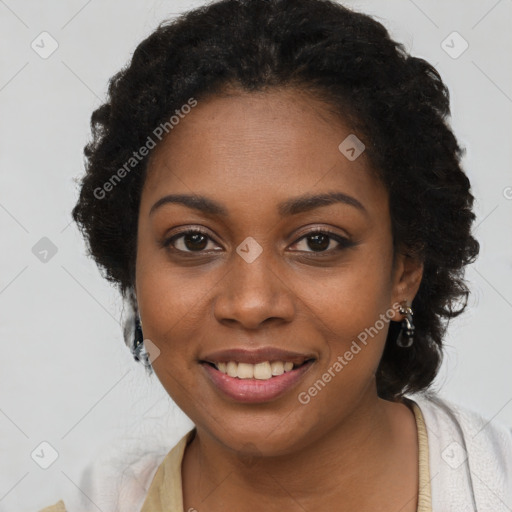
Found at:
<point>346,449</point>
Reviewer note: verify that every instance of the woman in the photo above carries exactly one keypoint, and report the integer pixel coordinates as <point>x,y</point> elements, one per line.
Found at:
<point>273,187</point>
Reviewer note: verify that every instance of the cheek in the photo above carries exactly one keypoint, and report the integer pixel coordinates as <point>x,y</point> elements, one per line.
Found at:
<point>352,308</point>
<point>351,298</point>
<point>169,307</point>
<point>169,300</point>
<point>355,324</point>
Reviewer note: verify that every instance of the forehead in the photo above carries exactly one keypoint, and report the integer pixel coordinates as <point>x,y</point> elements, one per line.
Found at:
<point>244,147</point>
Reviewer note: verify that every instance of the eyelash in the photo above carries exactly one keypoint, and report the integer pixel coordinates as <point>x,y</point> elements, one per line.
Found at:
<point>343,242</point>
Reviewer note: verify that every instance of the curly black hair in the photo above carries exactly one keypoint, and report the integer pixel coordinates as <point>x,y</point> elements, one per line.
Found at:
<point>397,103</point>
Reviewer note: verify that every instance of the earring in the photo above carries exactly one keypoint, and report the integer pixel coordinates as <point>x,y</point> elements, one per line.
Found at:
<point>406,335</point>
<point>138,342</point>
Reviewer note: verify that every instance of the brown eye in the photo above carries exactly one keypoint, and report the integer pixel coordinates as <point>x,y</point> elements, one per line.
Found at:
<point>189,241</point>
<point>320,241</point>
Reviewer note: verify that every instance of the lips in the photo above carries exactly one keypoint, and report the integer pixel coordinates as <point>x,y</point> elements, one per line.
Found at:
<point>237,373</point>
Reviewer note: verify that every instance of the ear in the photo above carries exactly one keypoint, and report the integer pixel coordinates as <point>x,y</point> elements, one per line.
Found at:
<point>407,275</point>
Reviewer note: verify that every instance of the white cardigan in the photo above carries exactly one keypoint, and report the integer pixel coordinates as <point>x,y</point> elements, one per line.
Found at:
<point>470,465</point>
<point>470,458</point>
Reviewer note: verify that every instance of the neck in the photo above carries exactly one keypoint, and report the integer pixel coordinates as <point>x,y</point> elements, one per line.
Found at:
<point>350,459</point>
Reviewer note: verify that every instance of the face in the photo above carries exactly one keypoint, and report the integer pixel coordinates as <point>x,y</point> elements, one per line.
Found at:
<point>260,275</point>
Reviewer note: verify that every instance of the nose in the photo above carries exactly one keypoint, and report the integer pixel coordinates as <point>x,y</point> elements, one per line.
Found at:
<point>254,294</point>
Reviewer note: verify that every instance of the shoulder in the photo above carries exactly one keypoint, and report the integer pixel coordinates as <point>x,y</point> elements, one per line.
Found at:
<point>474,427</point>
<point>470,456</point>
<point>116,484</point>
<point>119,478</point>
<point>121,482</point>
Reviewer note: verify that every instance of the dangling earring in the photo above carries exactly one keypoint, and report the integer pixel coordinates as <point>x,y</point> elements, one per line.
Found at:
<point>406,336</point>
<point>138,342</point>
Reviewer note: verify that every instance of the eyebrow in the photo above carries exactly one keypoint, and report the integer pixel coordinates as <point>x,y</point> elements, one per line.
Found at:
<point>292,206</point>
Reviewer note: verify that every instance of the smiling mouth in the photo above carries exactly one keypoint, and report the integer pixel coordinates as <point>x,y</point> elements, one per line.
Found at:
<point>265,370</point>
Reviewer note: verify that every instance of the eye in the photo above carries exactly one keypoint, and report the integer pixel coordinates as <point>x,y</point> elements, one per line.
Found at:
<point>193,240</point>
<point>196,240</point>
<point>321,241</point>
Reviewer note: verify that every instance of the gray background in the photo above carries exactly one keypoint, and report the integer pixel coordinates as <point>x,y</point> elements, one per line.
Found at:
<point>66,376</point>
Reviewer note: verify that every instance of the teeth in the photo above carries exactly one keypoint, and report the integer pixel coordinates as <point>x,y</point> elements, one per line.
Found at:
<point>260,371</point>
<point>277,368</point>
<point>245,371</point>
<point>232,369</point>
